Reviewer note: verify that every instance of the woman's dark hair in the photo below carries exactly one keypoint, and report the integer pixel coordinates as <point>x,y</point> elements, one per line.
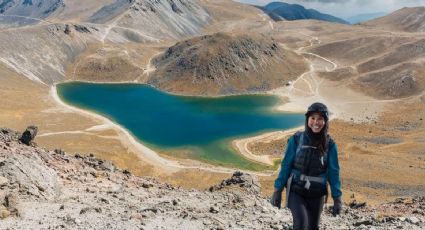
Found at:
<point>321,137</point>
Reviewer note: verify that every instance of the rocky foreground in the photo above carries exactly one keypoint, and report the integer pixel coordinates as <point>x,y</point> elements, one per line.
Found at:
<point>43,189</point>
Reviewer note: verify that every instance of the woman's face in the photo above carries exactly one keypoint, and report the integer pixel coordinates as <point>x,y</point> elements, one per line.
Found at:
<point>316,122</point>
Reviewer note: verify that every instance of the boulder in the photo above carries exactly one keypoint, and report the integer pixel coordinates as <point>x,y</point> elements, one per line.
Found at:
<point>4,213</point>
<point>244,180</point>
<point>11,202</point>
<point>29,135</point>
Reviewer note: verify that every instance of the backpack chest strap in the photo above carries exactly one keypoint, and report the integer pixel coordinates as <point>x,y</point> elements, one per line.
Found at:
<point>317,179</point>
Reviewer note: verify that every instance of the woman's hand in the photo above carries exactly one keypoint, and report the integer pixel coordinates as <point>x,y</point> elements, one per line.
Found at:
<point>276,198</point>
<point>336,210</point>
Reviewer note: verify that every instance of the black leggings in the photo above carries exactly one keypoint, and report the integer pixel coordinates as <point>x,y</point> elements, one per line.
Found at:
<point>305,211</point>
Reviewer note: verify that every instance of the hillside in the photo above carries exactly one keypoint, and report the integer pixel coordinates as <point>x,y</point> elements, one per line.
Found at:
<point>54,46</point>
<point>407,19</point>
<point>52,189</point>
<point>25,12</point>
<point>382,66</point>
<point>225,64</point>
<point>285,11</point>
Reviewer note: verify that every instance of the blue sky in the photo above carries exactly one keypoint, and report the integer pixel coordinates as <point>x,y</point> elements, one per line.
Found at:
<point>347,8</point>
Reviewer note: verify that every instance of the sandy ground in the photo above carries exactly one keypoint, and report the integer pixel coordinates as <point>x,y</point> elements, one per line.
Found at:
<point>242,145</point>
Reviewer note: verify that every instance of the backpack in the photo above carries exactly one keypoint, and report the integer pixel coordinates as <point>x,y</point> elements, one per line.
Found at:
<point>298,186</point>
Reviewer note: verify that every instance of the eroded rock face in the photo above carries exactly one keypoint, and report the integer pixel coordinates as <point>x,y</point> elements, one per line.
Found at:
<point>23,168</point>
<point>31,176</point>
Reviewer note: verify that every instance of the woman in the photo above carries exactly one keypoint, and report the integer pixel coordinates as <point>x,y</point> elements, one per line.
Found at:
<point>311,159</point>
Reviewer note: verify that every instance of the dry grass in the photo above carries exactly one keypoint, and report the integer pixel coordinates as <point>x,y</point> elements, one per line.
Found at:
<point>114,63</point>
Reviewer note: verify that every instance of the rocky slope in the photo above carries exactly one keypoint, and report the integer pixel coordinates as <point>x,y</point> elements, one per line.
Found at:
<point>161,19</point>
<point>51,49</point>
<point>43,189</point>
<point>25,12</point>
<point>225,64</point>
<point>382,66</point>
<point>43,52</point>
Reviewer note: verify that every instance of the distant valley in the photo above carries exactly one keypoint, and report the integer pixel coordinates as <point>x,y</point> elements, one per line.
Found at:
<point>364,17</point>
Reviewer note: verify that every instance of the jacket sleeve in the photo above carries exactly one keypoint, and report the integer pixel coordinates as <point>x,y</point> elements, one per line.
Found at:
<point>286,165</point>
<point>333,172</point>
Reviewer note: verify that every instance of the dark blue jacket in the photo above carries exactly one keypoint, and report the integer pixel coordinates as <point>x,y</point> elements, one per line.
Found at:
<point>332,168</point>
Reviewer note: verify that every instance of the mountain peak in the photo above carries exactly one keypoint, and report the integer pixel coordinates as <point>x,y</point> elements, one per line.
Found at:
<point>225,64</point>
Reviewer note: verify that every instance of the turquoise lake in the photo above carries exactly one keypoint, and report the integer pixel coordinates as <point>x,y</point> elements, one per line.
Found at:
<point>196,127</point>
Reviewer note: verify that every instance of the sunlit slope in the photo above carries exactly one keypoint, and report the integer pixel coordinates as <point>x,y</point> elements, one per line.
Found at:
<point>407,19</point>
<point>225,64</point>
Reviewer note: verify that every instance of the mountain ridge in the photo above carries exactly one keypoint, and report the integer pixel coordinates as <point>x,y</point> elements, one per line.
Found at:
<point>279,10</point>
<point>407,19</point>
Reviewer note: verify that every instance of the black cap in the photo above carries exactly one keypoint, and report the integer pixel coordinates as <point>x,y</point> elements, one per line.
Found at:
<point>318,107</point>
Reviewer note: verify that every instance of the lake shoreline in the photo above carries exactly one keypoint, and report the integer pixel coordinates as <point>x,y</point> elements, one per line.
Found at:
<point>124,135</point>
<point>168,166</point>
<point>240,145</point>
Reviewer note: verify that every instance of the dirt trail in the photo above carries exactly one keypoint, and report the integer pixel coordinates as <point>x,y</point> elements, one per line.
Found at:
<point>343,102</point>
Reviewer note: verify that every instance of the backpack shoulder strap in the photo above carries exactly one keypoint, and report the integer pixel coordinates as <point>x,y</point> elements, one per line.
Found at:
<point>299,138</point>
<point>331,143</point>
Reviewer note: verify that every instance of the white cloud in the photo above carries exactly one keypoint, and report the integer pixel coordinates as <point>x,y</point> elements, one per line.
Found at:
<point>347,8</point>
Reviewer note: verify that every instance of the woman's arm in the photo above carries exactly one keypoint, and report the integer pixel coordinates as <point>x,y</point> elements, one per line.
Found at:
<point>285,168</point>
<point>333,172</point>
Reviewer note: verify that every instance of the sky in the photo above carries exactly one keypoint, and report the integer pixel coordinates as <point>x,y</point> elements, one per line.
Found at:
<point>347,8</point>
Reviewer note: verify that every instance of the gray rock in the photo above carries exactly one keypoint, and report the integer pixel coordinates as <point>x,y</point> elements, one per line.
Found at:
<point>413,220</point>
<point>244,180</point>
<point>4,213</point>
<point>3,181</point>
<point>214,209</point>
<point>29,134</point>
<point>107,166</point>
<point>11,203</point>
<point>32,175</point>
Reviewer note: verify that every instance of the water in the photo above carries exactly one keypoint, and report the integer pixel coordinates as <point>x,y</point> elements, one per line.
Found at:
<point>195,127</point>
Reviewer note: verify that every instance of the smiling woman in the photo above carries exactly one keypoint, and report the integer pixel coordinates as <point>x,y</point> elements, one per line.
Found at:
<point>195,127</point>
